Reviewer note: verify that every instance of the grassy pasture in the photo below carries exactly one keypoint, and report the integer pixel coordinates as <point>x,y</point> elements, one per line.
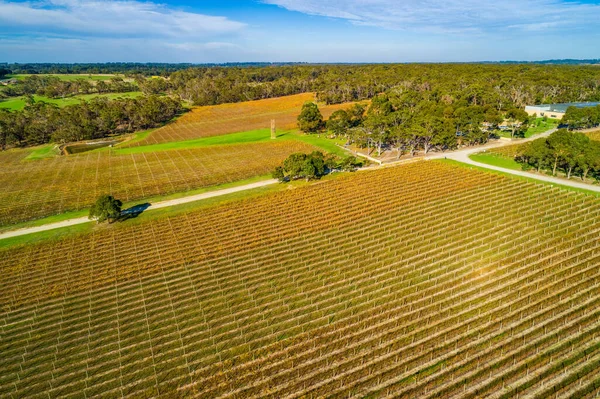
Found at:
<point>18,103</point>
<point>378,283</point>
<point>238,117</point>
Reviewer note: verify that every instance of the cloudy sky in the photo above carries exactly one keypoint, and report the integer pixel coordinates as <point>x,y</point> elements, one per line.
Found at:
<point>297,30</point>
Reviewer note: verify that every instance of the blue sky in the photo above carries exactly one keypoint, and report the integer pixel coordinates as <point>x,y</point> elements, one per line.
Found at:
<point>297,30</point>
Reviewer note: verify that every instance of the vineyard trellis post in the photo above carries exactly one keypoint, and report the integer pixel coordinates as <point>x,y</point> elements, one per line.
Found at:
<point>273,135</point>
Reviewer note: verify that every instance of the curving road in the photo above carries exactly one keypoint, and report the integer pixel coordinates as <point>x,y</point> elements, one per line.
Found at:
<point>157,205</point>
<point>463,156</point>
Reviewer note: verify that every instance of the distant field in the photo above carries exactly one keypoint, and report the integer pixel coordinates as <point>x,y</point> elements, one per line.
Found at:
<point>44,184</point>
<point>17,104</point>
<point>70,77</point>
<point>238,117</point>
<point>420,281</point>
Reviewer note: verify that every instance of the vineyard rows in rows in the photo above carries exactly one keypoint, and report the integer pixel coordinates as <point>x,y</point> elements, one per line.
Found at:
<point>33,189</point>
<point>216,120</point>
<point>425,280</point>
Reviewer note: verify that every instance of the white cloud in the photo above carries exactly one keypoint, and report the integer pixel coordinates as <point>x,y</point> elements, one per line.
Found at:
<point>40,49</point>
<point>451,16</point>
<point>112,18</point>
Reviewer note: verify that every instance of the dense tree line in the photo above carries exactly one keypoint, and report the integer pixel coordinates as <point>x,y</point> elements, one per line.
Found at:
<point>582,118</point>
<point>147,69</point>
<point>54,87</point>
<point>409,121</point>
<point>569,152</point>
<point>500,86</point>
<point>128,68</point>
<point>41,122</point>
<point>313,166</point>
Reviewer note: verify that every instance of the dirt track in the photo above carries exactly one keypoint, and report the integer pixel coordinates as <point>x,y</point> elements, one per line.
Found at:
<point>157,205</point>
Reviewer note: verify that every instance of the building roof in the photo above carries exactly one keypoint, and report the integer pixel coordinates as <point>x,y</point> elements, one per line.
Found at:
<point>560,107</point>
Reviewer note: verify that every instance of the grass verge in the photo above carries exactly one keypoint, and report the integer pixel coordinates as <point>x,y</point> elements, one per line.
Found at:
<point>496,160</point>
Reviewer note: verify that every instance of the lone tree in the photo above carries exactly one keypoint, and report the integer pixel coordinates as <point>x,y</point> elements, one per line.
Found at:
<point>310,119</point>
<point>106,208</point>
<point>312,166</point>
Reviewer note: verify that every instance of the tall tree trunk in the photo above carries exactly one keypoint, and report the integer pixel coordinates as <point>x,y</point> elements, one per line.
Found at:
<point>555,165</point>
<point>569,174</point>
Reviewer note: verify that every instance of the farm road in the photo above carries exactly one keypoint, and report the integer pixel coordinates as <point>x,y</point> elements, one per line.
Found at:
<point>156,205</point>
<point>463,156</point>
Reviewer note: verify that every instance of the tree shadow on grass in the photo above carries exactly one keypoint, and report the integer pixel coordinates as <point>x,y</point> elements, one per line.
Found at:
<point>133,212</point>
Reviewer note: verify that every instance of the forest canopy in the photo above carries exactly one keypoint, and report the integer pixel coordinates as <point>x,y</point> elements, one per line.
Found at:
<point>41,122</point>
<point>415,106</point>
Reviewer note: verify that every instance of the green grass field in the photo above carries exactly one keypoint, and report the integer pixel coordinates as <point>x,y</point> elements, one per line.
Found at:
<point>42,152</point>
<point>496,160</point>
<point>18,103</point>
<point>252,136</point>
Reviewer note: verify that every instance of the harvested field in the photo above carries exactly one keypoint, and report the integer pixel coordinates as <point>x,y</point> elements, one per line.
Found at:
<point>238,117</point>
<point>33,189</point>
<point>425,280</point>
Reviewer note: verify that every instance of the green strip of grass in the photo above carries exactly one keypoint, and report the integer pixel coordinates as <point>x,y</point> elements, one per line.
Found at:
<point>252,136</point>
<point>496,160</point>
<point>528,179</point>
<point>43,152</point>
<point>50,235</point>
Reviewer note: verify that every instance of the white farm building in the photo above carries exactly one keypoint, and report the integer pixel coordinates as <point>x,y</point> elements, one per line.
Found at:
<point>555,111</point>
